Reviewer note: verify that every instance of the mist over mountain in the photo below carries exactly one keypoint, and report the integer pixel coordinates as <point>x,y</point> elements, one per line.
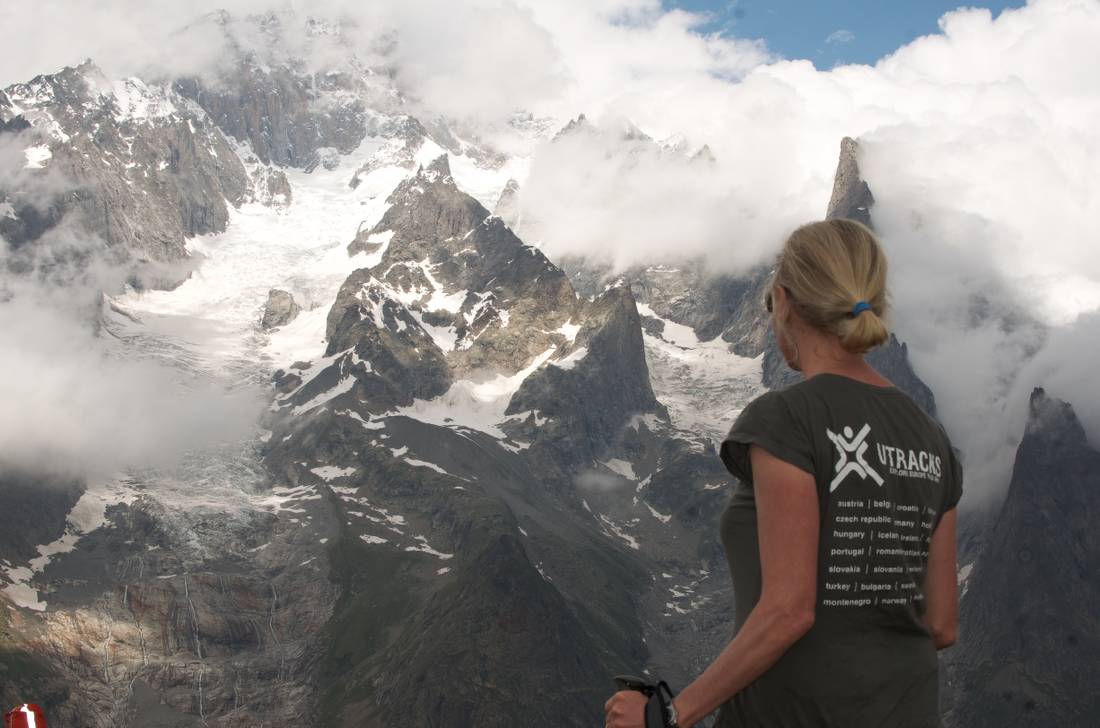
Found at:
<point>365,366</point>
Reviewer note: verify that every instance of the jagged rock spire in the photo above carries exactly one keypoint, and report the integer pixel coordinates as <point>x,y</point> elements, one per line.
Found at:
<point>852,198</point>
<point>441,166</point>
<point>1029,630</point>
<point>507,207</point>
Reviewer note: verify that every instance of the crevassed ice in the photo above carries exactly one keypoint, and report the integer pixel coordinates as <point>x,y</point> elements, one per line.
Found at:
<point>702,383</point>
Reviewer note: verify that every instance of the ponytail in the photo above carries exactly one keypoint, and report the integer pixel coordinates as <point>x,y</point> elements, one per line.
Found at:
<point>835,271</point>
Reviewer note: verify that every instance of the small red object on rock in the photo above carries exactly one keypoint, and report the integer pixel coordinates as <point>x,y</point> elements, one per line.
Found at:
<point>27,715</point>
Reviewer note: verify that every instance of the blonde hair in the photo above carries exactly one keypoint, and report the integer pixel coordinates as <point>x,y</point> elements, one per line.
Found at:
<point>827,268</point>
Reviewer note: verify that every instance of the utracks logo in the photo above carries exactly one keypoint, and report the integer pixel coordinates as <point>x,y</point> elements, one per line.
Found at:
<point>851,447</point>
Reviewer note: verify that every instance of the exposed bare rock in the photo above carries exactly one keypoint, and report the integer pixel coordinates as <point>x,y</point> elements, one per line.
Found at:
<point>605,383</point>
<point>1029,634</point>
<point>132,163</point>
<point>851,197</point>
<point>286,115</point>
<point>270,187</point>
<point>279,310</point>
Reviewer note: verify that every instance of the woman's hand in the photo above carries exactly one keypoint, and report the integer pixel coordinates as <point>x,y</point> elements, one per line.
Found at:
<point>625,709</point>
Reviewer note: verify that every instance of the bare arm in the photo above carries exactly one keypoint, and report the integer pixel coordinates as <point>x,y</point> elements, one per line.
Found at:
<point>787,517</point>
<point>941,615</point>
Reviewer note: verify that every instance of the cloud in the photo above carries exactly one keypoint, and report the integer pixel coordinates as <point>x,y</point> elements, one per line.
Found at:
<point>980,144</point>
<point>840,37</point>
<point>595,481</point>
<point>77,402</point>
<point>981,153</point>
<point>602,193</point>
<point>78,398</point>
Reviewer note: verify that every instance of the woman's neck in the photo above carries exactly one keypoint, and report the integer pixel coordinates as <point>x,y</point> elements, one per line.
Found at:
<point>823,354</point>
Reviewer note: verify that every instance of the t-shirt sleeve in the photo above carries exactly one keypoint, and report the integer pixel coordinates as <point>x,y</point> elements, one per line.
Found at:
<point>955,481</point>
<point>769,423</point>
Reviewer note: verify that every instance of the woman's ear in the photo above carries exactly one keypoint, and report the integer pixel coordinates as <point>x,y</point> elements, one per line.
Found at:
<point>780,302</point>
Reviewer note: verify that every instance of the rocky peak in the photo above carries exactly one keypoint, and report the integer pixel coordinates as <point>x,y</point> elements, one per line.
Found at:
<point>574,126</point>
<point>279,310</point>
<point>852,198</point>
<point>285,116</point>
<point>404,127</point>
<point>704,156</point>
<point>438,171</point>
<point>629,132</point>
<point>1029,650</point>
<point>576,392</point>
<point>425,209</point>
<point>401,136</point>
<point>1052,420</point>
<point>142,169</point>
<point>507,207</point>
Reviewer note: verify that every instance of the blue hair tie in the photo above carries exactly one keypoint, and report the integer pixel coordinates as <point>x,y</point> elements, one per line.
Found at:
<point>860,307</point>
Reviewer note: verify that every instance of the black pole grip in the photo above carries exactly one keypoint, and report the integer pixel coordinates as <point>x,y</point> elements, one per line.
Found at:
<point>656,714</point>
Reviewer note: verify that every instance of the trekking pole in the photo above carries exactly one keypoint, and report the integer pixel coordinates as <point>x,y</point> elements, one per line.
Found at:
<point>656,710</point>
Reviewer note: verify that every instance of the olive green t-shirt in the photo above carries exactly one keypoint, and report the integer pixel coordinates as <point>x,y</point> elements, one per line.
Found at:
<point>885,474</point>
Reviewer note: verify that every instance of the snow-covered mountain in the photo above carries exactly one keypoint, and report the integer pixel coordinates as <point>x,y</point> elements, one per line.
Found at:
<point>478,472</point>
<point>460,449</point>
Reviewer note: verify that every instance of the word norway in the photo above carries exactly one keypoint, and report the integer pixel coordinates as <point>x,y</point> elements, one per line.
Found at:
<point>851,448</point>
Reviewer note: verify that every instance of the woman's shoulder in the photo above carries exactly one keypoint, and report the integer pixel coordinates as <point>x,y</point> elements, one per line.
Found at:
<point>833,390</point>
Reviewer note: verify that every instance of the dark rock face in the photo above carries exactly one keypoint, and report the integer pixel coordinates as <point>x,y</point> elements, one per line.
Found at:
<point>589,403</point>
<point>286,115</point>
<point>34,508</point>
<point>852,198</point>
<point>690,294</point>
<point>485,629</point>
<point>279,310</point>
<point>206,633</point>
<point>394,358</point>
<point>456,633</point>
<point>130,162</point>
<point>1029,638</point>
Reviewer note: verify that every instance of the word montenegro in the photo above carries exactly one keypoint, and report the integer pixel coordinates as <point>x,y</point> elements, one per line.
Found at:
<point>910,463</point>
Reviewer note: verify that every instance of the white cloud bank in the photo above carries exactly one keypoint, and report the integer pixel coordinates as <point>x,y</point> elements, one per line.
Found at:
<point>75,403</point>
<point>981,146</point>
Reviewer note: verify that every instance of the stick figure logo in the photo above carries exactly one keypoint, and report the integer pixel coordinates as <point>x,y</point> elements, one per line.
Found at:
<point>847,444</point>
